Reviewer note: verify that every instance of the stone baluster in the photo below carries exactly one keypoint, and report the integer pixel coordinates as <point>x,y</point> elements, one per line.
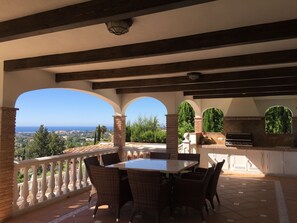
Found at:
<point>52,181</point>
<point>43,183</point>
<point>141,154</point>
<point>85,177</point>
<point>16,192</point>
<point>34,188</point>
<point>135,155</point>
<point>79,174</point>
<point>25,188</point>
<point>21,190</point>
<point>73,176</point>
<point>60,178</point>
<point>129,155</point>
<point>66,179</point>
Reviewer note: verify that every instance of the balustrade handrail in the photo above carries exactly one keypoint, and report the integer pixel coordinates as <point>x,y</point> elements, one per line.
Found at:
<point>48,159</point>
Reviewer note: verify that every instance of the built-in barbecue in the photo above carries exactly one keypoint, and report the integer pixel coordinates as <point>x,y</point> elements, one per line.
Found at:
<point>239,139</point>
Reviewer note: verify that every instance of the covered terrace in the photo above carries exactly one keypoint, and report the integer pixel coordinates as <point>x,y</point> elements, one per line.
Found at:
<point>243,55</point>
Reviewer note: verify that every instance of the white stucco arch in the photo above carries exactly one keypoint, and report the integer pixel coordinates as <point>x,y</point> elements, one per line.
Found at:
<point>196,108</point>
<point>205,109</point>
<point>139,98</point>
<point>17,83</point>
<point>171,100</point>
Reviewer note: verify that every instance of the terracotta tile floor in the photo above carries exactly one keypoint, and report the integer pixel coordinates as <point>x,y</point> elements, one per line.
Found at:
<point>243,199</point>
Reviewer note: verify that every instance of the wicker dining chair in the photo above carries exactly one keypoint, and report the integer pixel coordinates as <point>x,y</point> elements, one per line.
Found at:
<point>150,192</point>
<point>191,157</point>
<point>212,188</point>
<point>113,158</point>
<point>110,158</point>
<point>93,160</point>
<point>159,155</point>
<point>191,192</point>
<point>112,189</point>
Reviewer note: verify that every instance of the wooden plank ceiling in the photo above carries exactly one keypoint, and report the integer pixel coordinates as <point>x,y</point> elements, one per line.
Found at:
<point>279,79</point>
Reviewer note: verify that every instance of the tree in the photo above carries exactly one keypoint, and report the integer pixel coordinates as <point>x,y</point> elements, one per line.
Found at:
<point>56,144</point>
<point>213,120</point>
<point>278,120</point>
<point>103,130</point>
<point>186,116</point>
<point>44,144</point>
<point>145,130</point>
<point>99,131</point>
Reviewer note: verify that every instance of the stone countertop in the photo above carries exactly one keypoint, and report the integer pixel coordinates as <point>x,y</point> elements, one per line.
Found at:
<point>275,148</point>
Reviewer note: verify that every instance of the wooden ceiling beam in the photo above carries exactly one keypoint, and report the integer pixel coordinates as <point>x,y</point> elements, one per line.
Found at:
<point>142,82</point>
<point>285,81</point>
<point>277,57</point>
<point>255,94</point>
<point>242,90</point>
<point>84,14</point>
<point>223,38</point>
<point>204,78</point>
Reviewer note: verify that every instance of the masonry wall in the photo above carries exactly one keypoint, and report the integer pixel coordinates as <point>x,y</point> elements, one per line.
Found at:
<point>256,125</point>
<point>7,134</point>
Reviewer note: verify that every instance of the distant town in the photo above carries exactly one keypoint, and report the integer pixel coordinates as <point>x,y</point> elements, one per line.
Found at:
<point>24,141</point>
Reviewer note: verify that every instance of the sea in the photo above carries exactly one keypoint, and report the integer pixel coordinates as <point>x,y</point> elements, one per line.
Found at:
<point>32,129</point>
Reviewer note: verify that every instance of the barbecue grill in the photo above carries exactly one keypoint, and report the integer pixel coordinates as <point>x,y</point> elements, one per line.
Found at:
<point>239,139</point>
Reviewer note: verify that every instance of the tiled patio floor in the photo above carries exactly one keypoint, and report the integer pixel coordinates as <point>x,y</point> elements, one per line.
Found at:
<point>244,199</point>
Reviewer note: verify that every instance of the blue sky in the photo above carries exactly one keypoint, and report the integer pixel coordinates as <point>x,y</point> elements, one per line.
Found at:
<point>59,107</point>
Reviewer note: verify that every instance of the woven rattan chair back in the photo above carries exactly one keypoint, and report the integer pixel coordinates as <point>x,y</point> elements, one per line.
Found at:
<point>93,160</point>
<point>150,192</point>
<point>189,156</point>
<point>159,155</point>
<point>111,189</point>
<point>212,189</point>
<point>110,158</point>
<point>191,192</point>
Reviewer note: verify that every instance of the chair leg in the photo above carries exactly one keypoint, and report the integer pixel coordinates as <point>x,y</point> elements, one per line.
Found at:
<point>217,196</point>
<point>90,197</point>
<point>157,217</point>
<point>118,214</point>
<point>95,210</point>
<point>202,216</point>
<point>206,207</point>
<point>132,215</point>
<point>212,204</point>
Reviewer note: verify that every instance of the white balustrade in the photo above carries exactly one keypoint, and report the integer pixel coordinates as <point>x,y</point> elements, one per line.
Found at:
<point>140,152</point>
<point>51,177</point>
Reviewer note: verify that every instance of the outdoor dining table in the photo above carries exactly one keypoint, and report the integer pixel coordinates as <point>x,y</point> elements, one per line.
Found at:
<point>164,166</point>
